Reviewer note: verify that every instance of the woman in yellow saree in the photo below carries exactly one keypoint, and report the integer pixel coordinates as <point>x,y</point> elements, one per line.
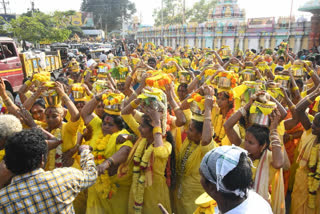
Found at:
<point>306,192</point>
<point>111,144</point>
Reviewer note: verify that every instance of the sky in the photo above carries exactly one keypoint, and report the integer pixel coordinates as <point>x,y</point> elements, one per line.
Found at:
<point>254,8</point>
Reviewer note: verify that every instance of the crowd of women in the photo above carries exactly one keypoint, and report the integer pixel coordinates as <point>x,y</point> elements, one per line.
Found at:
<point>152,115</point>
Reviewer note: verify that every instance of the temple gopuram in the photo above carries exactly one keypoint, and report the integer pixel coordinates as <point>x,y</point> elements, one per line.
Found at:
<point>227,25</point>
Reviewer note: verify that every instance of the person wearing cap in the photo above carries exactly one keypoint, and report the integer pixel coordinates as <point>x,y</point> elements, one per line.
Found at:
<point>226,177</point>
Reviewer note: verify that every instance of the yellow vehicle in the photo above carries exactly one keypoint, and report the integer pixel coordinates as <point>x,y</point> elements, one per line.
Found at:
<point>30,66</point>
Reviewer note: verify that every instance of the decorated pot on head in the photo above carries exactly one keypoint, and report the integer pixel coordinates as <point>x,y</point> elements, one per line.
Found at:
<point>283,80</point>
<point>113,102</point>
<point>99,86</point>
<point>248,75</point>
<point>74,65</point>
<point>158,79</point>
<point>260,111</point>
<point>226,51</point>
<point>124,61</point>
<point>52,98</point>
<point>139,73</point>
<point>205,204</point>
<point>157,100</point>
<point>78,92</point>
<point>298,71</point>
<point>40,78</point>
<point>243,92</point>
<point>197,106</point>
<point>226,80</point>
<point>184,77</point>
<point>275,91</point>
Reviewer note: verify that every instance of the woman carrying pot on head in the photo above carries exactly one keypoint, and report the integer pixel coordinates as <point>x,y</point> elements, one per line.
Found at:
<point>150,154</point>
<point>264,146</point>
<point>111,144</point>
<point>306,192</point>
<point>198,142</point>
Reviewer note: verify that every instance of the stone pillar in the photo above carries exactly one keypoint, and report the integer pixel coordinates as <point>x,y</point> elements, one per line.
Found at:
<point>267,42</point>
<point>315,31</point>
<point>297,44</point>
<point>241,44</point>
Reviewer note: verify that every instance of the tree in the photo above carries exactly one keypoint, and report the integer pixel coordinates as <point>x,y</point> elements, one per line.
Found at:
<point>40,26</point>
<point>172,12</point>
<point>200,10</point>
<point>75,30</point>
<point>108,14</point>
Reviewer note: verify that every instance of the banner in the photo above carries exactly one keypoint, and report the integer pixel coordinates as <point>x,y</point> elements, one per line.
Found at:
<point>82,19</point>
<point>261,22</point>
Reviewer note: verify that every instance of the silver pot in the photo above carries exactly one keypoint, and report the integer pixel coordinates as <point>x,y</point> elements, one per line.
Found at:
<point>259,119</point>
<point>52,98</point>
<point>224,82</point>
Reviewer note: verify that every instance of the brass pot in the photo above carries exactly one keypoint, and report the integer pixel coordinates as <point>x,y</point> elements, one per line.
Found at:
<point>283,83</point>
<point>51,98</point>
<point>77,95</point>
<point>224,82</point>
<point>184,77</point>
<point>247,76</point>
<point>115,108</point>
<point>297,71</point>
<point>195,108</point>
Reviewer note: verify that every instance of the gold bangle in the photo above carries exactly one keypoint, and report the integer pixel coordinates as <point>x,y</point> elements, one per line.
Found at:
<point>133,104</point>
<point>176,108</point>
<point>295,88</point>
<point>276,145</point>
<point>28,83</point>
<point>310,73</point>
<point>157,130</point>
<point>293,107</point>
<point>309,100</point>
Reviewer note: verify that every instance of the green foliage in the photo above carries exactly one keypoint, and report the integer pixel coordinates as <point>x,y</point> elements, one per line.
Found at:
<point>39,26</point>
<point>108,14</point>
<point>75,30</point>
<point>172,12</point>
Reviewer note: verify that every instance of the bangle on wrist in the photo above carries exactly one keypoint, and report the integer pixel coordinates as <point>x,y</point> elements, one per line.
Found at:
<point>310,73</point>
<point>207,118</point>
<point>309,100</point>
<point>176,108</point>
<point>28,83</point>
<point>243,111</point>
<point>293,107</point>
<point>295,88</point>
<point>133,104</point>
<point>156,130</point>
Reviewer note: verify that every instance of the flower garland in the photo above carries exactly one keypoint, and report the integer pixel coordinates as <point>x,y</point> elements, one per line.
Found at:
<point>58,156</point>
<point>41,77</point>
<point>77,87</point>
<point>146,46</point>
<point>139,169</point>
<point>182,169</point>
<point>200,100</point>
<point>218,122</point>
<point>313,176</point>
<point>158,80</point>
<point>103,186</point>
<point>169,69</point>
<point>112,98</point>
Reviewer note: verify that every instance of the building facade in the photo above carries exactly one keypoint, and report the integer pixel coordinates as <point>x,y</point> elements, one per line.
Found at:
<point>227,25</point>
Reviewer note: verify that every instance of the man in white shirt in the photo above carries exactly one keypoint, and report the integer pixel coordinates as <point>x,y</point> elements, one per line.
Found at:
<point>226,176</point>
<point>103,57</point>
<point>90,61</point>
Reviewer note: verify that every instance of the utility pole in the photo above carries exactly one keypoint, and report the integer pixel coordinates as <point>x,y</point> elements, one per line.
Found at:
<point>161,40</point>
<point>4,6</point>
<point>183,12</point>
